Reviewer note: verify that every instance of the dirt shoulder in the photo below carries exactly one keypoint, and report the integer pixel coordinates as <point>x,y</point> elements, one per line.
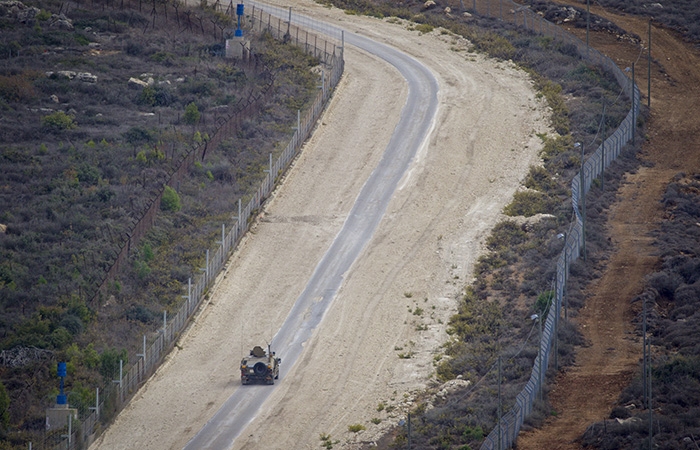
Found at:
<point>587,392</point>
<point>401,291</point>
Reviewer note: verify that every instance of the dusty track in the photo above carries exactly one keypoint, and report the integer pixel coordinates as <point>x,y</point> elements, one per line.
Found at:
<point>587,392</point>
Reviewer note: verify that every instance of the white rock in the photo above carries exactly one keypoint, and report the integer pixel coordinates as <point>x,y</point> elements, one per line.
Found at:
<point>67,73</point>
<point>136,82</point>
<point>87,77</point>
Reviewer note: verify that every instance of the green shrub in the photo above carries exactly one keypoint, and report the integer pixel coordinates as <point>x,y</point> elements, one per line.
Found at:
<point>81,40</point>
<point>164,58</point>
<point>355,428</point>
<point>155,96</point>
<point>529,203</point>
<point>473,433</point>
<point>141,314</point>
<point>170,200</point>
<point>142,270</point>
<point>43,15</point>
<point>59,121</point>
<point>539,179</point>
<point>192,114</point>
<point>505,235</point>
<point>552,93</point>
<point>554,146</point>
<point>494,45</point>
<point>424,28</point>
<point>109,362</point>
<point>60,338</point>
<point>88,174</point>
<point>141,157</point>
<point>476,317</point>
<point>544,301</point>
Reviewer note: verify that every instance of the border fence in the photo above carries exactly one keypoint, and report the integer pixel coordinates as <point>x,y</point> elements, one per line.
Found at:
<point>506,431</point>
<point>114,396</point>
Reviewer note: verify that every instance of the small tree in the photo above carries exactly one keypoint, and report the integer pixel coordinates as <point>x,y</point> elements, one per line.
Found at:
<point>192,114</point>
<point>58,121</point>
<point>137,136</point>
<point>170,200</point>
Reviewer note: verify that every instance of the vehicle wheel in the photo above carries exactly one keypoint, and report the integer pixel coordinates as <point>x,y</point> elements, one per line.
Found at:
<point>260,369</point>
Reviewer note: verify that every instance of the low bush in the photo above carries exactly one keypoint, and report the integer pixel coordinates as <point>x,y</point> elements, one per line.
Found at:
<point>529,203</point>
<point>355,428</point>
<point>59,121</point>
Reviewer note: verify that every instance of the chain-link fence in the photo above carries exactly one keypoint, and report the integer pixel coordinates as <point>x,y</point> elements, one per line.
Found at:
<point>112,397</point>
<point>506,432</point>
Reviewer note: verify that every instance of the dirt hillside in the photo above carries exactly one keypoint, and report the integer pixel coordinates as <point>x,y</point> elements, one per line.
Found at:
<point>586,392</point>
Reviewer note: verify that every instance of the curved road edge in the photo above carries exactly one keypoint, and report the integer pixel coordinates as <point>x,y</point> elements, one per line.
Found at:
<point>411,133</point>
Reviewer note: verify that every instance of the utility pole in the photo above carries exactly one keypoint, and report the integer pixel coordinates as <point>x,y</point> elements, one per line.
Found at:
<point>602,169</point>
<point>634,112</point>
<point>582,198</point>
<point>539,353</point>
<point>409,431</point>
<point>588,24</point>
<point>566,276</point>
<point>651,411</point>
<point>644,351</point>
<point>289,22</point>
<point>649,69</point>
<point>538,318</point>
<point>500,406</point>
<point>556,320</point>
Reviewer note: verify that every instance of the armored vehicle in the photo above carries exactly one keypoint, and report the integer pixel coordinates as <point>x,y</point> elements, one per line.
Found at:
<point>260,366</point>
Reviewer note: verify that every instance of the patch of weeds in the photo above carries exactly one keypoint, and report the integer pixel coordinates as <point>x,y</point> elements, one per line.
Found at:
<point>554,146</point>
<point>539,179</point>
<point>529,203</point>
<point>424,28</point>
<point>326,441</point>
<point>356,428</point>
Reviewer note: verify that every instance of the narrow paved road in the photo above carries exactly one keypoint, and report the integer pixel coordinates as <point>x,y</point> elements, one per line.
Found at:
<point>409,135</point>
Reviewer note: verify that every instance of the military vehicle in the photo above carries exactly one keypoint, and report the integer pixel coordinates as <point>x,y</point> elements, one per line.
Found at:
<point>260,366</point>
